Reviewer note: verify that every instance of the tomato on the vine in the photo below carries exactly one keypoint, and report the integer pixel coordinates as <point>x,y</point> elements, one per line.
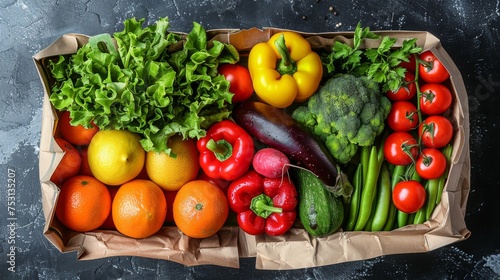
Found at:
<point>409,196</point>
<point>430,164</point>
<point>403,116</point>
<point>411,64</point>
<point>407,90</point>
<point>240,81</point>
<point>431,69</point>
<point>400,148</point>
<point>435,131</point>
<point>435,99</point>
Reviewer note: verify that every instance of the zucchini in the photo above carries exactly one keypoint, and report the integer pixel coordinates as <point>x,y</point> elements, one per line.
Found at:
<point>320,211</point>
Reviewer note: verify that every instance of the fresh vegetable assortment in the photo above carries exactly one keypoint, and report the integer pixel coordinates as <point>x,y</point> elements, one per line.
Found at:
<point>348,138</point>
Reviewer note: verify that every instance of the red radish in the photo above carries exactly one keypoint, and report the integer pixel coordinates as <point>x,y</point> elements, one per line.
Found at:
<point>270,163</point>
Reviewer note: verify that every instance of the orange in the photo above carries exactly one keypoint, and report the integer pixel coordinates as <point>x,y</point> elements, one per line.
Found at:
<point>200,209</point>
<point>139,208</point>
<point>84,203</point>
<point>108,223</point>
<point>70,163</point>
<point>116,156</point>
<point>84,168</point>
<point>172,172</point>
<point>76,135</point>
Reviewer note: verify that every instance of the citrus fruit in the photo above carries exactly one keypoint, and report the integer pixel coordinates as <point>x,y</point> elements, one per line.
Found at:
<point>108,223</point>
<point>84,203</point>
<point>115,156</point>
<point>76,135</point>
<point>200,209</point>
<point>70,163</point>
<point>172,172</point>
<point>84,168</point>
<point>139,208</point>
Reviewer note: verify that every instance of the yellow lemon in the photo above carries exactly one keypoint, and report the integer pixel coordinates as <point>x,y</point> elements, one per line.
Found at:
<point>115,156</point>
<point>171,173</point>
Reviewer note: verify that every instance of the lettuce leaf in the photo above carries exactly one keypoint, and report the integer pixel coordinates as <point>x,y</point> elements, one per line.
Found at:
<point>150,81</point>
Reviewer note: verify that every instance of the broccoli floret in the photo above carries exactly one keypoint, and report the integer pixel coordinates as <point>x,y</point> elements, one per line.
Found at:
<point>346,112</point>
<point>341,148</point>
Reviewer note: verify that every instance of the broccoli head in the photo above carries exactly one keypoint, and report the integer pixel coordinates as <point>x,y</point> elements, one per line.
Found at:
<point>346,112</point>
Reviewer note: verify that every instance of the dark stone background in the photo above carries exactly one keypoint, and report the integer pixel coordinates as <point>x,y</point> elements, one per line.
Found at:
<point>469,31</point>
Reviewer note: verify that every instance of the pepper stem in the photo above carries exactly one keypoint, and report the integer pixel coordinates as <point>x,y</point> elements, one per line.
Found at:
<point>222,149</point>
<point>262,205</point>
<point>285,65</point>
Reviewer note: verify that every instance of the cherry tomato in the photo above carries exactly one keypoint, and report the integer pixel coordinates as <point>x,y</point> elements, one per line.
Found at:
<point>239,79</point>
<point>410,65</point>
<point>408,196</point>
<point>431,69</point>
<point>406,91</point>
<point>435,99</point>
<point>400,148</point>
<point>431,164</point>
<point>435,131</point>
<point>403,116</point>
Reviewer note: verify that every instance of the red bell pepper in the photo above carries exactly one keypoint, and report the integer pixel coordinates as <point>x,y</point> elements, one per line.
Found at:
<point>263,205</point>
<point>226,151</point>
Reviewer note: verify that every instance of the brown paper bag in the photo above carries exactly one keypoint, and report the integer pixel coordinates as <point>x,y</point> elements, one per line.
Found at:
<point>445,226</point>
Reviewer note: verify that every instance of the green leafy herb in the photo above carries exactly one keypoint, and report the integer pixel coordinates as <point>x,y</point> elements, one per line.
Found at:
<point>380,64</point>
<point>152,82</point>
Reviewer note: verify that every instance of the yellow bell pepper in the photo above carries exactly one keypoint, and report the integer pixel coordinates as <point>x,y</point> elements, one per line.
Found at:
<point>284,69</point>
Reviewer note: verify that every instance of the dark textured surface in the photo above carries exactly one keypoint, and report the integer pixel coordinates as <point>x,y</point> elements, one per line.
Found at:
<point>469,31</point>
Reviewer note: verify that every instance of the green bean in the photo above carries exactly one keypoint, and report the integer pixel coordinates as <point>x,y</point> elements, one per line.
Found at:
<point>402,219</point>
<point>419,216</point>
<point>365,159</point>
<point>383,200</point>
<point>411,218</point>
<point>369,223</point>
<point>357,183</point>
<point>432,187</point>
<point>369,190</point>
<point>391,217</point>
<point>447,152</point>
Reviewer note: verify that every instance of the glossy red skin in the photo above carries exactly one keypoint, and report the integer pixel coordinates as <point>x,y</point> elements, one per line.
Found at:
<point>283,194</point>
<point>435,99</point>
<point>430,164</point>
<point>408,196</point>
<point>240,81</point>
<point>403,116</point>
<point>406,91</point>
<point>442,134</point>
<point>434,72</point>
<point>393,148</point>
<point>240,159</point>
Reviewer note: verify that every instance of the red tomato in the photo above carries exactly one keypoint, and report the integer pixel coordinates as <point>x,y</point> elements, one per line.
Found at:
<point>400,148</point>
<point>406,91</point>
<point>435,131</point>
<point>239,79</point>
<point>408,196</point>
<point>431,164</point>
<point>435,99</point>
<point>403,116</point>
<point>411,64</point>
<point>431,69</point>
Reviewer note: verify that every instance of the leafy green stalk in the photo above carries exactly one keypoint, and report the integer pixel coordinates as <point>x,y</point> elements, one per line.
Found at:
<point>380,64</point>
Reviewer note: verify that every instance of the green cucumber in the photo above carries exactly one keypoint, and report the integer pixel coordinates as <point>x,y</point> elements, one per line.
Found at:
<point>320,211</point>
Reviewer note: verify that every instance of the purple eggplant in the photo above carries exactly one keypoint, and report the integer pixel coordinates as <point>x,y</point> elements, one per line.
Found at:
<point>275,128</point>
